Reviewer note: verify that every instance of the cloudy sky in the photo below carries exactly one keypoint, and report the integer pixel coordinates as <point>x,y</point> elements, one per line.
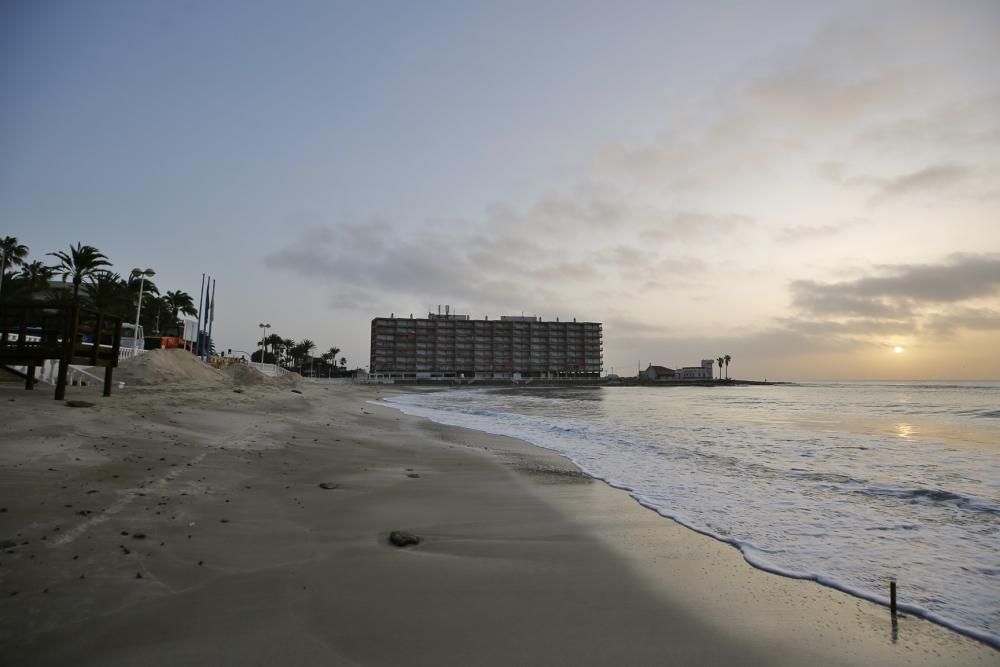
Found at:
<point>802,185</point>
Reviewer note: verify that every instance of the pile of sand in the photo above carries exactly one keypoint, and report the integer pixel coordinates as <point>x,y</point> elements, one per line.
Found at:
<point>168,367</point>
<point>290,379</point>
<point>246,375</point>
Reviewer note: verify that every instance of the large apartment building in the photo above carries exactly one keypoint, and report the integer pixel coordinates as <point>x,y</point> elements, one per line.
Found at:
<point>512,347</point>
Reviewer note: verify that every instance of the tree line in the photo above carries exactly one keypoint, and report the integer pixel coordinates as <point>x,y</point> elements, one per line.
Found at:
<point>88,278</point>
<point>276,349</point>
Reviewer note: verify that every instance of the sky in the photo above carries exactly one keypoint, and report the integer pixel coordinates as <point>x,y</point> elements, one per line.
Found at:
<point>804,186</point>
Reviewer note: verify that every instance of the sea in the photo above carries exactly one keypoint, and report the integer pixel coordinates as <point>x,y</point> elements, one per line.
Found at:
<point>848,484</point>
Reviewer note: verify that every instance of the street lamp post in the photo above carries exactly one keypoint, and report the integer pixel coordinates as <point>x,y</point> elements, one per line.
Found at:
<point>263,341</point>
<point>141,275</point>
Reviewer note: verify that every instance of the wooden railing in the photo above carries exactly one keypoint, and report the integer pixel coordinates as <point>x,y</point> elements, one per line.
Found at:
<point>31,332</point>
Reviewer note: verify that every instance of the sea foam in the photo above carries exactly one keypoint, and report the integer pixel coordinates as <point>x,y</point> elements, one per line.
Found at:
<point>850,502</point>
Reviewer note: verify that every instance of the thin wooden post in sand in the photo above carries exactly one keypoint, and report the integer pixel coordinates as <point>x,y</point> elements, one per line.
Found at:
<point>892,597</point>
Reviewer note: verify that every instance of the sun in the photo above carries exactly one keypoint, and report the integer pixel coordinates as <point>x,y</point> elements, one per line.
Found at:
<point>897,349</point>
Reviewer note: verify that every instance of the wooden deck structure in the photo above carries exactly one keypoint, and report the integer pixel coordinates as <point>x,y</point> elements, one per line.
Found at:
<point>32,332</point>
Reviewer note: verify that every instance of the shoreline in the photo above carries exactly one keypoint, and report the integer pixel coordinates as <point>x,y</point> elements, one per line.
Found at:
<point>524,557</point>
<point>882,601</point>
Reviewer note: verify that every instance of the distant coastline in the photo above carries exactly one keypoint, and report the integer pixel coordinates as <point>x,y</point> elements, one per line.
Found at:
<point>603,382</point>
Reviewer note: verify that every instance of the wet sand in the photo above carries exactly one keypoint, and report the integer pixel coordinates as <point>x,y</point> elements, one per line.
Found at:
<point>187,526</point>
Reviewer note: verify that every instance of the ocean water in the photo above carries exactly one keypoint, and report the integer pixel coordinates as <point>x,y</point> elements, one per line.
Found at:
<point>849,484</point>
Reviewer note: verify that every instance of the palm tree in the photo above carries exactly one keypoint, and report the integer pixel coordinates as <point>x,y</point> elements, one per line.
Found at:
<point>180,302</point>
<point>720,360</point>
<point>307,346</point>
<point>78,263</point>
<point>163,312</point>
<point>728,359</point>
<point>343,362</point>
<point>32,279</point>
<point>145,282</point>
<point>276,342</point>
<point>288,345</point>
<point>108,292</point>
<point>36,274</point>
<point>12,253</point>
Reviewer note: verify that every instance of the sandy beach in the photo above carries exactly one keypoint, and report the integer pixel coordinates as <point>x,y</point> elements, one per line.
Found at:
<point>183,524</point>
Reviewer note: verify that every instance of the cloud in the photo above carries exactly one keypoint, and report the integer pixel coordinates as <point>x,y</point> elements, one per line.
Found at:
<point>689,225</point>
<point>927,300</point>
<point>929,181</point>
<point>972,319</point>
<point>910,301</point>
<point>790,235</point>
<point>961,277</point>
<point>783,109</point>
<point>968,125</point>
<point>659,228</point>
<point>932,178</point>
<point>462,264</point>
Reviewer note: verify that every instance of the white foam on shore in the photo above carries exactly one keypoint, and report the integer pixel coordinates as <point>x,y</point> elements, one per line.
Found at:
<point>661,479</point>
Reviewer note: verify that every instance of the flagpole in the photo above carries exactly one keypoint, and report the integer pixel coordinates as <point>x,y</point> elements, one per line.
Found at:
<point>211,317</point>
<point>204,346</point>
<point>201,309</point>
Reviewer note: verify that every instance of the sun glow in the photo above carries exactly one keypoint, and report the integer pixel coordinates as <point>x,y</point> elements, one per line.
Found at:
<point>897,349</point>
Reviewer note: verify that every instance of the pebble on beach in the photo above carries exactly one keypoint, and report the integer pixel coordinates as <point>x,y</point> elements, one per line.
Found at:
<point>401,538</point>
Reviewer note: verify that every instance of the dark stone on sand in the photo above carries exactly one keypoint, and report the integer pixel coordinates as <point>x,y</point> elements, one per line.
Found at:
<point>125,533</point>
<point>7,544</point>
<point>401,538</point>
<point>139,536</point>
<point>237,391</point>
<point>328,485</point>
<point>296,391</point>
<point>223,520</point>
<point>79,404</point>
<point>413,474</point>
<point>138,575</point>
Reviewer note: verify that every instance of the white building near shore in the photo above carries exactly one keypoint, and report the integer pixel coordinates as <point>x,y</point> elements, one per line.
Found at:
<point>661,373</point>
